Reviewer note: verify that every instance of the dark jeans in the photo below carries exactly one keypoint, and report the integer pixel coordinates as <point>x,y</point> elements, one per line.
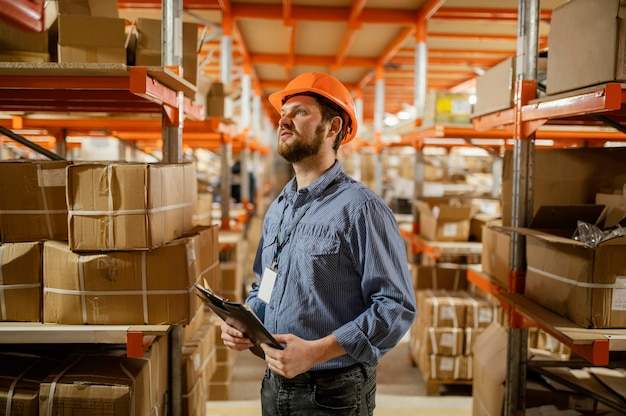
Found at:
<point>349,391</point>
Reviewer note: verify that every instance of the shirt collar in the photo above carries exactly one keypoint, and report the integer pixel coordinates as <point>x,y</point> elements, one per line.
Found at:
<point>317,187</point>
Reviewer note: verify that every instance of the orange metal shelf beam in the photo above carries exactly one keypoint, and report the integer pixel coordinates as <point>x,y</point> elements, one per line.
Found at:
<point>605,98</point>
<point>523,314</point>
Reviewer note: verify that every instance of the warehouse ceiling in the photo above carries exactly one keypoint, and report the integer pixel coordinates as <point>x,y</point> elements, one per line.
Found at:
<point>358,41</point>
<point>361,42</point>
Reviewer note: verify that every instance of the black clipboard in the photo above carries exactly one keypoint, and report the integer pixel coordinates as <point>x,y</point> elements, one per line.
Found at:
<point>240,316</point>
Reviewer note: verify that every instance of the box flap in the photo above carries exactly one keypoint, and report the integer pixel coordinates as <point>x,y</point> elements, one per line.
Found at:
<point>563,219</point>
<point>444,209</point>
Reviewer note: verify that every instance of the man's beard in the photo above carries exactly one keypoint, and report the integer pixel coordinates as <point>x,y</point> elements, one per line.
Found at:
<point>299,149</point>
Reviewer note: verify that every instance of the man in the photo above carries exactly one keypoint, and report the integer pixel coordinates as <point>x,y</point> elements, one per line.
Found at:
<point>334,282</point>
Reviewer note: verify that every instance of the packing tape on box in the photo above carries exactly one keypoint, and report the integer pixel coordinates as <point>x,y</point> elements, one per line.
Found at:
<point>144,292</point>
<point>44,200</point>
<point>14,384</point>
<point>58,377</point>
<point>448,311</point>
<point>111,214</point>
<point>53,385</point>
<point>620,281</point>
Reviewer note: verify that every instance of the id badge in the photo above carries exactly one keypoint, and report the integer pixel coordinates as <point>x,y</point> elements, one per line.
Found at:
<point>267,285</point>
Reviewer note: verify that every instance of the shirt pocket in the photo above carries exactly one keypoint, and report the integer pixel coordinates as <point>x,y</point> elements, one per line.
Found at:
<point>318,260</point>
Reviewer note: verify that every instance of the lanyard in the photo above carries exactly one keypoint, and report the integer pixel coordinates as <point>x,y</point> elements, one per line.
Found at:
<point>281,244</point>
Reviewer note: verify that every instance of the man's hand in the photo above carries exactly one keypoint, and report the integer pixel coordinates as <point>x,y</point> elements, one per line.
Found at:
<point>299,355</point>
<point>234,338</point>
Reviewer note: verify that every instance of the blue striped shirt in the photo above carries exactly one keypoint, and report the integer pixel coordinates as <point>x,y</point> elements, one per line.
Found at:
<point>343,270</point>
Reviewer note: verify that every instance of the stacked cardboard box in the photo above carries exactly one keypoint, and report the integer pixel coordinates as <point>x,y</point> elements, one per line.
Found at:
<point>128,225</point>
<point>32,209</point>
<point>88,381</point>
<point>20,376</point>
<point>442,336</point>
<point>128,206</point>
<point>199,364</point>
<point>444,219</point>
<point>148,44</point>
<point>127,287</point>
<point>32,200</point>
<point>87,31</point>
<point>220,382</point>
<point>233,248</point>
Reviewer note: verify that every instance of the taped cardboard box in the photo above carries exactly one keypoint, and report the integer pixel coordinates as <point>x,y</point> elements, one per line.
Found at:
<point>122,385</point>
<point>440,340</point>
<point>447,277</point>
<point>128,206</point>
<point>440,308</point>
<point>130,287</point>
<point>578,281</point>
<point>599,56</point>
<point>32,200</point>
<point>21,267</point>
<point>20,376</point>
<point>443,219</point>
<point>443,367</point>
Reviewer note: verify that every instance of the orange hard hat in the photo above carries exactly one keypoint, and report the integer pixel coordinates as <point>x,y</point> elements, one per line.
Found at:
<point>325,85</point>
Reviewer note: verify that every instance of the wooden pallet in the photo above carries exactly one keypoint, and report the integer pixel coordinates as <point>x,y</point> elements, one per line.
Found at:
<point>433,387</point>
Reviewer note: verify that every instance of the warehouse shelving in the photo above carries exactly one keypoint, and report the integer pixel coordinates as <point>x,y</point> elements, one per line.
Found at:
<point>95,88</point>
<point>580,109</point>
<point>594,345</point>
<point>137,338</point>
<point>87,91</point>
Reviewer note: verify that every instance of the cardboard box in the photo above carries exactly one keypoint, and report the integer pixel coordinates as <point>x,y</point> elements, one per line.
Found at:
<point>599,55</point>
<point>199,365</point>
<point>21,266</point>
<point>496,254</point>
<point>489,371</point>
<point>447,277</point>
<point>100,8</point>
<point>148,47</point>
<point>495,89</point>
<point>87,39</point>
<point>479,312</point>
<point>99,381</point>
<point>582,283</point>
<point>117,288</point>
<point>440,308</point>
<point>567,176</point>
<point>22,46</point>
<point>444,367</point>
<point>20,375</point>
<point>442,219</point>
<point>128,206</point>
<point>203,209</point>
<point>32,200</point>
<point>440,340</point>
<point>447,108</point>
